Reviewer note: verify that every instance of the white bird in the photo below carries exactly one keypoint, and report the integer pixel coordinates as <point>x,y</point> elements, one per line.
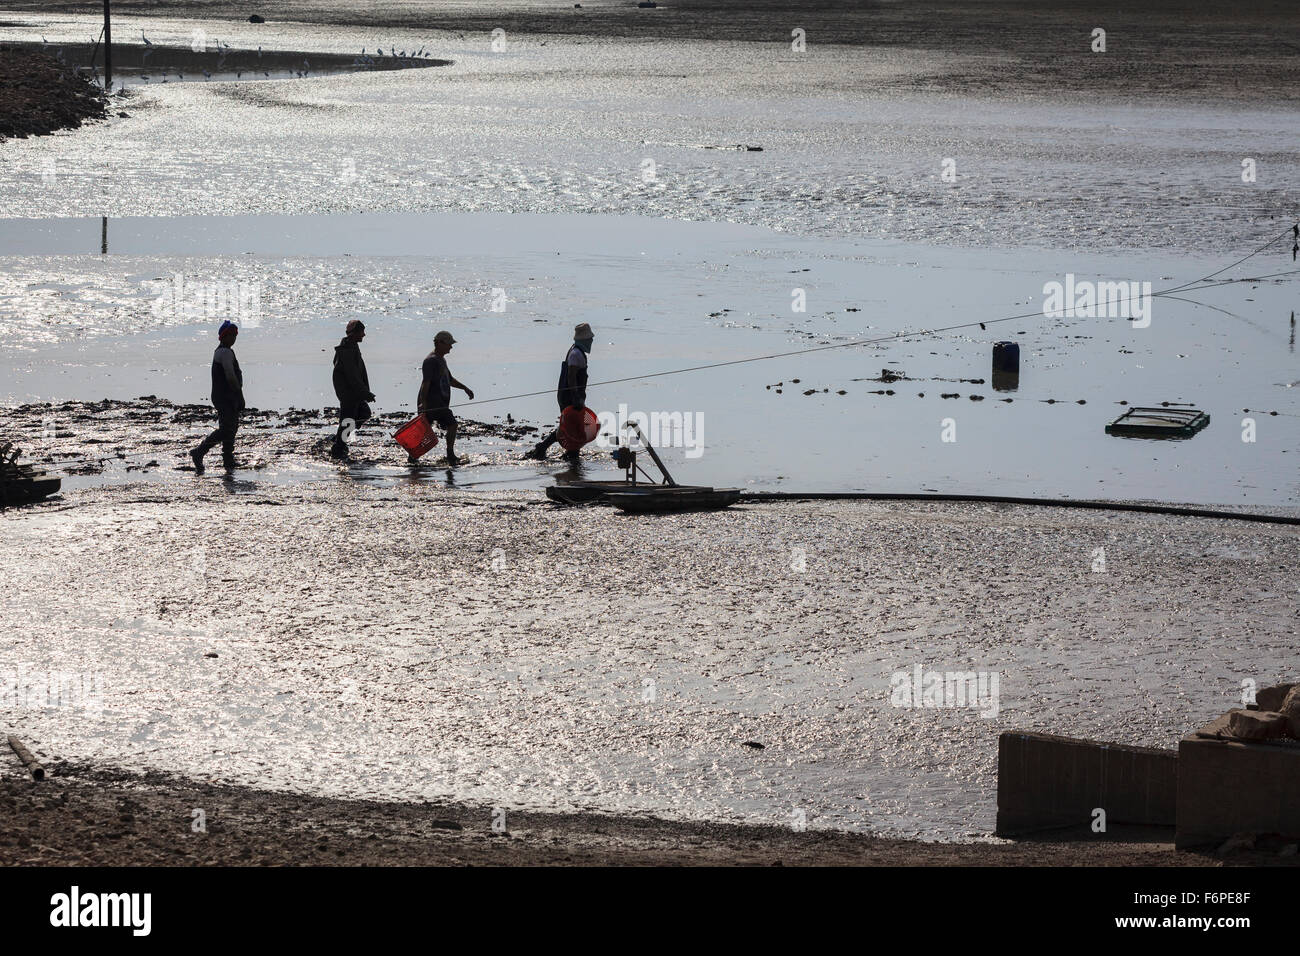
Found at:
<point>147,41</point>
<point>259,52</point>
<point>207,75</point>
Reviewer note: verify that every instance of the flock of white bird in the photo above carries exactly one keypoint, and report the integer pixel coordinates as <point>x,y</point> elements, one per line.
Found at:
<point>222,49</point>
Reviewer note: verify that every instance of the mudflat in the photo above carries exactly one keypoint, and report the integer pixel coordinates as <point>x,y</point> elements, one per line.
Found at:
<point>1177,48</point>
<point>86,816</point>
<point>412,642</point>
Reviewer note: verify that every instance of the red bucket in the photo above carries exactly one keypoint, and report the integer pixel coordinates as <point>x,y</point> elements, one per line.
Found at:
<point>416,436</point>
<point>578,428</point>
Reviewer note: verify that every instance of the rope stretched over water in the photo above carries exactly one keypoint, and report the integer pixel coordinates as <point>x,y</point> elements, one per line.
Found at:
<point>1205,282</point>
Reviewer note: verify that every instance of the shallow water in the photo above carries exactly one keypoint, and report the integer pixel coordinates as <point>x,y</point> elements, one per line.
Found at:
<point>667,295</point>
<point>566,124</point>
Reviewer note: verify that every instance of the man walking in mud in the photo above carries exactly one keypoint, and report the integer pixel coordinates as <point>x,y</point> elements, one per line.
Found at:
<point>351,386</point>
<point>572,388</point>
<point>227,398</point>
<point>435,392</point>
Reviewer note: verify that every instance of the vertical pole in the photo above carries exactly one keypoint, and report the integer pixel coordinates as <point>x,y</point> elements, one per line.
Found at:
<point>103,236</point>
<point>108,51</point>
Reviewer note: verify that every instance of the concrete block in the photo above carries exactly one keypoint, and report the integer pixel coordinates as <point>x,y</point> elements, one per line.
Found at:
<point>1227,787</point>
<point>1047,782</point>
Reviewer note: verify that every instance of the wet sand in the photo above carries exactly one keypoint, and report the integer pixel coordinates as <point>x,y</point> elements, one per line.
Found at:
<point>417,642</point>
<point>84,816</point>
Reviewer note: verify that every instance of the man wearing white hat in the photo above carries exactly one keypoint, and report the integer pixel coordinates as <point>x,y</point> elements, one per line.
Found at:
<point>572,389</point>
<point>435,391</point>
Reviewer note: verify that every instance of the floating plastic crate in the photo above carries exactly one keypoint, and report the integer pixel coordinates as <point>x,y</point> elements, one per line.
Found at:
<point>1159,423</point>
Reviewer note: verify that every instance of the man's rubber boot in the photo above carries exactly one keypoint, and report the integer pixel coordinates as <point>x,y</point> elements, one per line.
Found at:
<point>196,456</point>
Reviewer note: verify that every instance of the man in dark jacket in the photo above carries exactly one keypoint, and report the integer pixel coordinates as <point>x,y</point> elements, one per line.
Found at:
<point>227,397</point>
<point>572,388</point>
<point>351,385</point>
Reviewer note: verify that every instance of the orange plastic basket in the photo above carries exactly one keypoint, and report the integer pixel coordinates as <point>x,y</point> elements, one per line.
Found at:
<point>578,429</point>
<point>416,436</point>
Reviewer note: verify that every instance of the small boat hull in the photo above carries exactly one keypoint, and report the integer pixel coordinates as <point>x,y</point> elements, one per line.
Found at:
<point>674,498</point>
<point>27,488</point>
<point>585,492</point>
<point>22,484</point>
<point>643,498</point>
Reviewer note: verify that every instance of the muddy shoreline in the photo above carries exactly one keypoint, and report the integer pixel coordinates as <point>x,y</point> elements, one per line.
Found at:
<point>150,434</point>
<point>97,816</point>
<point>39,95</point>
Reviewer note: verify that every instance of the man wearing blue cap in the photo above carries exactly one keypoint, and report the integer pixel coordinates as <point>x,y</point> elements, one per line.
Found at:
<point>227,397</point>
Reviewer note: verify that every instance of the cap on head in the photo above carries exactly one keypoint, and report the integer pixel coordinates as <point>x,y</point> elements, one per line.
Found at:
<point>356,325</point>
<point>444,336</point>
<point>582,331</point>
<point>227,328</point>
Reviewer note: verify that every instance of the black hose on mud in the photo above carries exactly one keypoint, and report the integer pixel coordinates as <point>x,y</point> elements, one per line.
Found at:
<point>1002,500</point>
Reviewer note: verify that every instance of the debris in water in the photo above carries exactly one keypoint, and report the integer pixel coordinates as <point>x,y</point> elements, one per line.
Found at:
<point>1140,422</point>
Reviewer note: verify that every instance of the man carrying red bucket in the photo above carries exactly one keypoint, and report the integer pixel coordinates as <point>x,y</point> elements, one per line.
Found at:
<point>571,394</point>
<point>435,392</point>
